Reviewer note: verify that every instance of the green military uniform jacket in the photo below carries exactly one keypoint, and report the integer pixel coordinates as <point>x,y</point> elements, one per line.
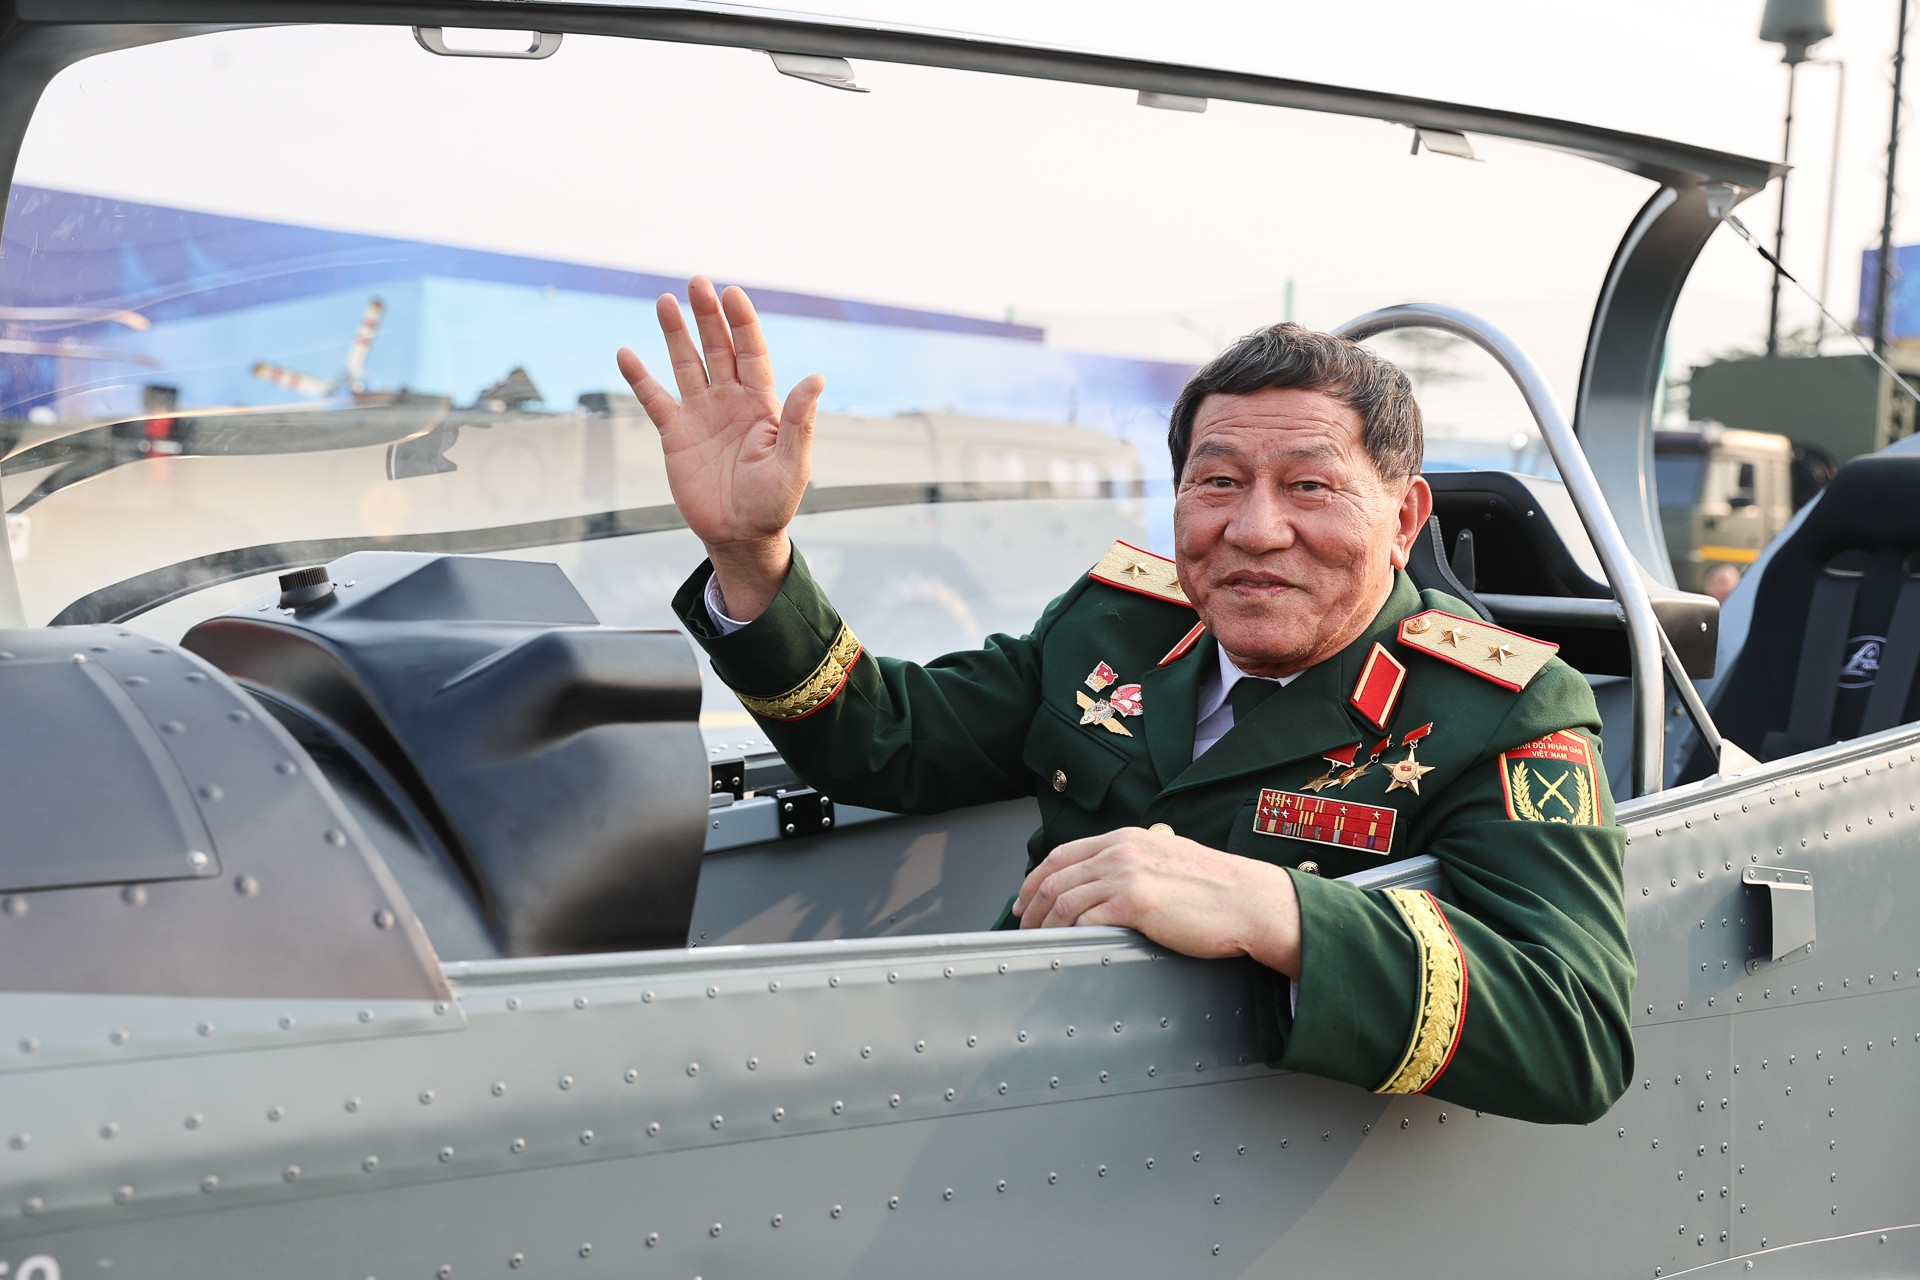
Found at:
<point>1511,996</point>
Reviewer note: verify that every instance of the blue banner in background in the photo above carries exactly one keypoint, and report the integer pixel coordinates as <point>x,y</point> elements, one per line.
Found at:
<point>1903,306</point>
<point>101,298</point>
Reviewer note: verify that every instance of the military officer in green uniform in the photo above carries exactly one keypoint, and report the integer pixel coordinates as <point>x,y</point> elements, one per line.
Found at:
<point>1215,739</point>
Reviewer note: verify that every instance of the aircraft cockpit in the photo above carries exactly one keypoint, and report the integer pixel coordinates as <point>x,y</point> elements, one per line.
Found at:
<point>366,816</point>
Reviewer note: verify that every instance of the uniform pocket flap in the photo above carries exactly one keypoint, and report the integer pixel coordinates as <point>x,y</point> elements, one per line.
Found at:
<point>1071,759</point>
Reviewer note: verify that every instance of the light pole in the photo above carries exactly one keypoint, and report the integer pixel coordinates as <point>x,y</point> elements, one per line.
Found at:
<point>1833,191</point>
<point>1883,287</point>
<point>1796,25</point>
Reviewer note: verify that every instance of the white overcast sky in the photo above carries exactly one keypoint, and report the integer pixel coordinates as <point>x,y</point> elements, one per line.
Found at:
<point>1065,206</point>
<point>1692,70</point>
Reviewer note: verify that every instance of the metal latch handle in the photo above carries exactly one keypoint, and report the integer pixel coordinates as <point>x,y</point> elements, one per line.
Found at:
<point>1786,918</point>
<point>434,40</point>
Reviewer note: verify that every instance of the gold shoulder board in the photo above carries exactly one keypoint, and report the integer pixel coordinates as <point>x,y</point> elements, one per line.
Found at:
<point>1507,658</point>
<point>1131,569</point>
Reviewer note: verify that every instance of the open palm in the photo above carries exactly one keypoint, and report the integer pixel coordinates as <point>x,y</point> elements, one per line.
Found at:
<point>737,460</point>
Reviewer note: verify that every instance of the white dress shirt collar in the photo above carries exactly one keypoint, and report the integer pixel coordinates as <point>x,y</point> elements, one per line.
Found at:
<point>1213,713</point>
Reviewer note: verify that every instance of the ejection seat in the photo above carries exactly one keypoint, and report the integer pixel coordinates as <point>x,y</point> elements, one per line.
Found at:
<point>1834,643</point>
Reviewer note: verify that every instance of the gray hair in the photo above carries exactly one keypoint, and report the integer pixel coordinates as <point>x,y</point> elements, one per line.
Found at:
<point>1289,355</point>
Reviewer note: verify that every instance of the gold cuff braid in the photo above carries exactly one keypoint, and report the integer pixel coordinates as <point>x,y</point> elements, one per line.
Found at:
<point>1442,996</point>
<point>817,690</point>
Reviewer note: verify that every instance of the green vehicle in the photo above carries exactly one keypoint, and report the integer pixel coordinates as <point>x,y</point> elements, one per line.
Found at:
<point>1723,495</point>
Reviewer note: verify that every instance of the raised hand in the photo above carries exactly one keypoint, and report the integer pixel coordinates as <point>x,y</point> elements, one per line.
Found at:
<point>737,460</point>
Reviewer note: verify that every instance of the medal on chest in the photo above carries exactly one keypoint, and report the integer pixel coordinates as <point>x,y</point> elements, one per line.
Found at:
<point>1337,762</point>
<point>1408,772</point>
<point>1360,770</point>
<point>1108,712</point>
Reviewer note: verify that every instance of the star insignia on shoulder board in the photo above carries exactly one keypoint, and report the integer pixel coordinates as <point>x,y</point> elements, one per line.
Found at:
<point>1137,570</point>
<point>1510,660</point>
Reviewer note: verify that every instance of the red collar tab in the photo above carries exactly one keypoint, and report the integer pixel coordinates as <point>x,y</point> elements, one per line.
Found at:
<point>1412,736</point>
<point>1343,757</point>
<point>1378,688</point>
<point>1187,642</point>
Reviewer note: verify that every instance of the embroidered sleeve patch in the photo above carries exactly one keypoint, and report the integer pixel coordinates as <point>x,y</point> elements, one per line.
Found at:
<point>1441,1006</point>
<point>1551,779</point>
<point>817,690</point>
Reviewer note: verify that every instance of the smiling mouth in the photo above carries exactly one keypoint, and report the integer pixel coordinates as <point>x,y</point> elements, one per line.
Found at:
<point>1256,586</point>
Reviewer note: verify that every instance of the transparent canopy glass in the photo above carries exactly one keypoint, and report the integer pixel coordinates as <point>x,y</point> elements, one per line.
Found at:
<point>378,306</point>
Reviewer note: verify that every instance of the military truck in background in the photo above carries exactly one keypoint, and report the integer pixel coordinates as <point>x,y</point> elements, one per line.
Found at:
<point>1833,408</point>
<point>1826,410</point>
<point>1724,493</point>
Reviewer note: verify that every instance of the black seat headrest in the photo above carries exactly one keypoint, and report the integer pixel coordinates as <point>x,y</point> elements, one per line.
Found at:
<point>1864,527</point>
<point>1427,566</point>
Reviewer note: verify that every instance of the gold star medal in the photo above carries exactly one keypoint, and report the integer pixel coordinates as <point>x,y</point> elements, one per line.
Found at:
<point>1407,773</point>
<point>1360,770</point>
<point>1336,761</point>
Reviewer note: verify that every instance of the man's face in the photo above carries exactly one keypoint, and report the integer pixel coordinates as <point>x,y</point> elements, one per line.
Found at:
<point>1285,534</point>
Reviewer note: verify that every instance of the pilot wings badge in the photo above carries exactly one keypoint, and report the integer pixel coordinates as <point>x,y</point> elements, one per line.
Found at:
<point>1551,779</point>
<point>1106,712</point>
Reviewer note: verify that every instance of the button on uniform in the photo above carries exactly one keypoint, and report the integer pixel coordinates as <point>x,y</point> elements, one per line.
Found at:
<point>1311,867</point>
<point>1059,779</point>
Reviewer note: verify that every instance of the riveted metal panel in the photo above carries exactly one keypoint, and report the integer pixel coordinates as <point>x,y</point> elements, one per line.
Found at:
<point>288,899</point>
<point>614,1101</point>
<point>1826,1126</point>
<point>1894,1251</point>
<point>1847,815</point>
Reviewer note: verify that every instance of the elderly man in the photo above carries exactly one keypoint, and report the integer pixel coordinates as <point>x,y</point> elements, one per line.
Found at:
<point>1213,740</point>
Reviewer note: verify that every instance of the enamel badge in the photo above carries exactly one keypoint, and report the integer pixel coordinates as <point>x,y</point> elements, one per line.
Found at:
<point>1108,712</point>
<point>1324,821</point>
<point>1407,773</point>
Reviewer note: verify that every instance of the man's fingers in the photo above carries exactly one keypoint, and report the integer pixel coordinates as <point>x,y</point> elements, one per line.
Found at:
<point>1063,882</point>
<point>1076,904</point>
<point>1063,855</point>
<point>654,398</point>
<point>715,341</point>
<point>689,373</point>
<point>796,421</point>
<point>749,343</point>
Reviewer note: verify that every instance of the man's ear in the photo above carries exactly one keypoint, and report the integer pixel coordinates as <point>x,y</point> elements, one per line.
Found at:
<point>1416,505</point>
